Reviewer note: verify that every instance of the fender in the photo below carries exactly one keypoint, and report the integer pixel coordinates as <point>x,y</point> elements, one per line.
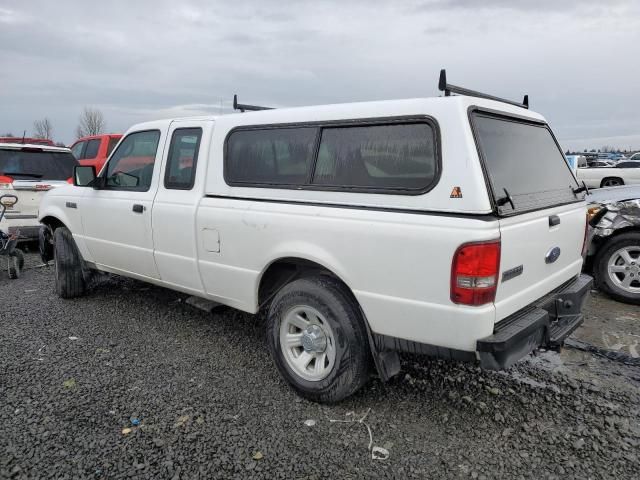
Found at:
<point>304,251</point>
<point>60,206</point>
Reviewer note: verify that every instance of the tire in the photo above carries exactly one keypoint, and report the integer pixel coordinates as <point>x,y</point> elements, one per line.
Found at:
<point>328,307</point>
<point>623,284</point>
<point>611,182</point>
<point>16,264</point>
<point>70,281</point>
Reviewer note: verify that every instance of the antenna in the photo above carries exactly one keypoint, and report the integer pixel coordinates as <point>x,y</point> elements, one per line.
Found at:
<point>448,89</point>
<point>243,108</point>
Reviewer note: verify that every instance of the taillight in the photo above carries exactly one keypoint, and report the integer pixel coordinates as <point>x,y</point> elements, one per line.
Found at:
<point>6,182</point>
<point>474,273</point>
<point>70,180</point>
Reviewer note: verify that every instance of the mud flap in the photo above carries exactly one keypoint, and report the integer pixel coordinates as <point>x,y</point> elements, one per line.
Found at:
<point>387,362</point>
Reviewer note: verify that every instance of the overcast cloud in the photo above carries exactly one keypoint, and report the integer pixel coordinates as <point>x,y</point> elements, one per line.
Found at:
<point>579,61</point>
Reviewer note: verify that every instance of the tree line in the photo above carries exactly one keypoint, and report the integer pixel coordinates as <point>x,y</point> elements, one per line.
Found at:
<point>90,122</point>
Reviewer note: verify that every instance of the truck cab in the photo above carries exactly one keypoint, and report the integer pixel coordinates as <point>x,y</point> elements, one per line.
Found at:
<point>95,149</point>
<point>449,226</point>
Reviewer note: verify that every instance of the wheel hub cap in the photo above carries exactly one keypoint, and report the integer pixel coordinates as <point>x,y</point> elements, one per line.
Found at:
<point>624,269</point>
<point>307,343</point>
<point>314,340</point>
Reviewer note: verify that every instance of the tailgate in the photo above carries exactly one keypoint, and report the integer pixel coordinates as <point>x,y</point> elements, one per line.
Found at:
<point>540,205</point>
<point>540,251</point>
<point>29,193</point>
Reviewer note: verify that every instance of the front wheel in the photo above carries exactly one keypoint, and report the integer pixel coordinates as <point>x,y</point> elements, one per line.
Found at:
<point>317,337</point>
<point>70,280</point>
<point>617,267</point>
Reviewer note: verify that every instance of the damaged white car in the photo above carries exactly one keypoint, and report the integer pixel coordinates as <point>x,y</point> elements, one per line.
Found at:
<point>614,248</point>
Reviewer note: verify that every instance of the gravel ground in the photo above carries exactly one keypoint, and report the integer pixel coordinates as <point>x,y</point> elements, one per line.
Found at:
<point>75,376</point>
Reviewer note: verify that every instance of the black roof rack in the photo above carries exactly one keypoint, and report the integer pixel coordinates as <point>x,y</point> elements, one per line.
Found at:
<point>448,89</point>
<point>242,108</point>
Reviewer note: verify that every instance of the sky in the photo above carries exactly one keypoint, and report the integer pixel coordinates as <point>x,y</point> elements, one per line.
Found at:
<point>138,60</point>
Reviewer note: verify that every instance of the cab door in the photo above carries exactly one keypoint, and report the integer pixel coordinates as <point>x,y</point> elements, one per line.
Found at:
<point>116,218</point>
<point>174,209</point>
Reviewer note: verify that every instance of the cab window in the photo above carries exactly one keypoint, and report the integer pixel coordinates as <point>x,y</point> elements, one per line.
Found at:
<point>91,151</point>
<point>183,156</point>
<point>76,150</point>
<point>113,141</point>
<point>131,165</point>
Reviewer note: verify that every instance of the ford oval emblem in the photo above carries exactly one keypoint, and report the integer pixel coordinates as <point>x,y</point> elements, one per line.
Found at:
<point>552,255</point>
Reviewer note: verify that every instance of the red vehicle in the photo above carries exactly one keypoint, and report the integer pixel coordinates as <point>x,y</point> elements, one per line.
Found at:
<point>30,141</point>
<point>95,149</point>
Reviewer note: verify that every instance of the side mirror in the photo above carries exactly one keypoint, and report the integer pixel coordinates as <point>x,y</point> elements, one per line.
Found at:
<point>83,175</point>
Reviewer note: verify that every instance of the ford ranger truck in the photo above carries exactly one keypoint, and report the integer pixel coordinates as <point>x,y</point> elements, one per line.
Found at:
<point>451,227</point>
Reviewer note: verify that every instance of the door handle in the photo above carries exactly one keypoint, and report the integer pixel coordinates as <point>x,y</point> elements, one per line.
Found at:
<point>138,208</point>
<point>554,220</point>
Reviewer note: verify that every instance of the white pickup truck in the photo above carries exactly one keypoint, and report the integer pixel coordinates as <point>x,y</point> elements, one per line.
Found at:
<point>625,172</point>
<point>449,226</point>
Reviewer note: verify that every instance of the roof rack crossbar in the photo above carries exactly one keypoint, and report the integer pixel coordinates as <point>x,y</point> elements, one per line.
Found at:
<point>448,89</point>
<point>243,108</point>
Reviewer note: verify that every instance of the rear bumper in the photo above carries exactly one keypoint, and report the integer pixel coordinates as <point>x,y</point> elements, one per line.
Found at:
<point>545,323</point>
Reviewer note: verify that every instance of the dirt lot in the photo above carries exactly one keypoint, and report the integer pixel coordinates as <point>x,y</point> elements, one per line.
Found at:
<point>76,376</point>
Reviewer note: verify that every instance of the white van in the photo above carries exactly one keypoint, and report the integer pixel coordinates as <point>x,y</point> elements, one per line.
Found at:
<point>447,226</point>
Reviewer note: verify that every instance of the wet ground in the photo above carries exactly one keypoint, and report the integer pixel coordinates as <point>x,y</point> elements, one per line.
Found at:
<point>612,325</point>
<point>130,381</point>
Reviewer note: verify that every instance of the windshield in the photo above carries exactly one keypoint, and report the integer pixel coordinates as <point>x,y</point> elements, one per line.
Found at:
<point>36,164</point>
<point>523,162</point>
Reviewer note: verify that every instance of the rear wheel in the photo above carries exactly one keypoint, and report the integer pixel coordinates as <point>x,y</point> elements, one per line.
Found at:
<point>611,182</point>
<point>317,338</point>
<point>69,277</point>
<point>617,267</point>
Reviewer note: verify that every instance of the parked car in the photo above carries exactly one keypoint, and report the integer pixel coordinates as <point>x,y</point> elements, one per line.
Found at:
<point>95,149</point>
<point>362,229</point>
<point>28,171</point>
<point>626,172</point>
<point>635,156</point>
<point>614,247</point>
<point>610,156</point>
